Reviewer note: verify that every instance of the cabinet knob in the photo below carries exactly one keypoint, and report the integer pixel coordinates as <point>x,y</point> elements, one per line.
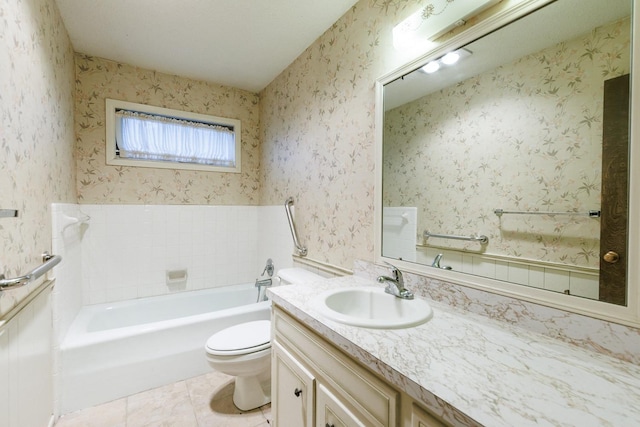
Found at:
<point>297,392</point>
<point>328,425</point>
<point>611,257</point>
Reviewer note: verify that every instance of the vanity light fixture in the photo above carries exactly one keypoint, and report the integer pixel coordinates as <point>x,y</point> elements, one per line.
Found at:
<point>435,19</point>
<point>449,59</point>
<point>431,67</point>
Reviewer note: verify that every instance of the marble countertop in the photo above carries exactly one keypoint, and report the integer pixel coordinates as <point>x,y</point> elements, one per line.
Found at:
<point>471,370</point>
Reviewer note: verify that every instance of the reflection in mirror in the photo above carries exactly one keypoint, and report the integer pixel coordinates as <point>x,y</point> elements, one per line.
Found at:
<point>511,162</point>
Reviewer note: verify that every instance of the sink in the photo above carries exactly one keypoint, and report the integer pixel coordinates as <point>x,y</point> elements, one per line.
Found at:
<point>371,307</point>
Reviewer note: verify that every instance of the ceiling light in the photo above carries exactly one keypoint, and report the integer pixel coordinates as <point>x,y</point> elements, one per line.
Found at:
<point>434,20</point>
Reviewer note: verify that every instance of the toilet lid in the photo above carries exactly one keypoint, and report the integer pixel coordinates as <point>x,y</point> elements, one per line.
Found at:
<point>244,338</point>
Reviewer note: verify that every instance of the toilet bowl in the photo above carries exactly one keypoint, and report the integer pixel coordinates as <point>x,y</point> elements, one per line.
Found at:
<point>244,351</point>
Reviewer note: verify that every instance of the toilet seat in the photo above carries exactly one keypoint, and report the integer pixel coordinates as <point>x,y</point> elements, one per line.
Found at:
<point>244,338</point>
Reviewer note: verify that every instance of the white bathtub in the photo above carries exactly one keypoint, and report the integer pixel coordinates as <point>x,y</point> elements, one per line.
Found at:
<point>117,349</point>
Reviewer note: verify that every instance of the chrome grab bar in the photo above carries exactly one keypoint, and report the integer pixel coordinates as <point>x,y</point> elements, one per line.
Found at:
<point>590,214</point>
<point>48,262</point>
<point>482,239</point>
<point>287,207</point>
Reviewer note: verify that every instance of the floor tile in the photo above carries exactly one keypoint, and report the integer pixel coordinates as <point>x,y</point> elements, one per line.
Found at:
<point>164,406</point>
<point>111,414</point>
<point>203,401</point>
<point>212,399</point>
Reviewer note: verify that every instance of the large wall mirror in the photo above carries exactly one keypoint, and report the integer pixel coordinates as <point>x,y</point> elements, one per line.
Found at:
<point>506,156</point>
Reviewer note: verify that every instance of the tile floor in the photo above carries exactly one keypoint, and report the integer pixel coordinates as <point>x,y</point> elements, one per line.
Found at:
<point>204,401</point>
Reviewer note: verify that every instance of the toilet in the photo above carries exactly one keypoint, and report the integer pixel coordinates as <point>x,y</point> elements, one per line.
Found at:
<point>244,351</point>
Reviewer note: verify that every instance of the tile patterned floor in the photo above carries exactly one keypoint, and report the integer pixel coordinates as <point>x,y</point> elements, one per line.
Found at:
<point>204,401</point>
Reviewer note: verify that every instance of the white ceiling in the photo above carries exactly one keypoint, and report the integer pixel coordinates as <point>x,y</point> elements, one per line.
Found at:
<point>239,43</point>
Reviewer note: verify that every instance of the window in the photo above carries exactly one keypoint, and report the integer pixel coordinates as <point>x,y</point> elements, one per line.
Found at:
<point>148,136</point>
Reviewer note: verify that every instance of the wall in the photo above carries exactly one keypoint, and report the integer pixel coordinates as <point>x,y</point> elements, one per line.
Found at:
<point>26,394</point>
<point>37,165</point>
<point>449,139</point>
<point>318,130</point>
<point>97,79</point>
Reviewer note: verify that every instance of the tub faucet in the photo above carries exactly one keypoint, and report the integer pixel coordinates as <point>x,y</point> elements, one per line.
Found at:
<point>436,263</point>
<point>265,283</point>
<point>395,284</point>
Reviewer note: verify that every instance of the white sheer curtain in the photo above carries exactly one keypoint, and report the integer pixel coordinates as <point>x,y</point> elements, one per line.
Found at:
<point>148,137</point>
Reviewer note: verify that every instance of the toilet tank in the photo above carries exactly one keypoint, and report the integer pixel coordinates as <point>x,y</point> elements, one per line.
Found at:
<point>292,276</point>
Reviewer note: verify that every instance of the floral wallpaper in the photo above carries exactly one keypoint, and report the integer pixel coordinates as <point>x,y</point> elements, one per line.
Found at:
<point>317,121</point>
<point>37,165</point>
<point>98,79</point>
<point>468,153</point>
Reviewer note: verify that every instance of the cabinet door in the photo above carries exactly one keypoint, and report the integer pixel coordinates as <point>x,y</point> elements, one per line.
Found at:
<point>292,390</point>
<point>421,418</point>
<point>332,412</point>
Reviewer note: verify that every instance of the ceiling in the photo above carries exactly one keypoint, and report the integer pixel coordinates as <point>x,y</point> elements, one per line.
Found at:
<point>238,43</point>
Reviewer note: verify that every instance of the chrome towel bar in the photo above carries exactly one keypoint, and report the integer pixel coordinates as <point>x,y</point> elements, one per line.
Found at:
<point>287,207</point>
<point>482,239</point>
<point>590,214</point>
<point>48,262</point>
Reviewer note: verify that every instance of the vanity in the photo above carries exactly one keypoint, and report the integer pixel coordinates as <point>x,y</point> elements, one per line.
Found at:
<point>458,369</point>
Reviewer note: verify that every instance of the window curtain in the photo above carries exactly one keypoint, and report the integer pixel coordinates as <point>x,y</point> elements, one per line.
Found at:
<point>149,137</point>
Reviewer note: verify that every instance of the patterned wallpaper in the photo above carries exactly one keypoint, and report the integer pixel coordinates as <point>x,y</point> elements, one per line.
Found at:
<point>37,165</point>
<point>97,79</point>
<point>317,121</point>
<point>468,153</point>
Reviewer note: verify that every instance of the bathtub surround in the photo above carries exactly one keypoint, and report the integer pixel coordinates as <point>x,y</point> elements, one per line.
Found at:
<point>126,250</point>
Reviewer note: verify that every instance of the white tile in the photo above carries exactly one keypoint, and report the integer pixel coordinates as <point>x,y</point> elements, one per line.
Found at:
<point>518,273</point>
<point>584,285</point>
<point>536,276</point>
<point>556,280</point>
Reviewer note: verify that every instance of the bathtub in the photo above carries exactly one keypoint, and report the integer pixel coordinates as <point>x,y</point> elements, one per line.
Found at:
<point>117,349</point>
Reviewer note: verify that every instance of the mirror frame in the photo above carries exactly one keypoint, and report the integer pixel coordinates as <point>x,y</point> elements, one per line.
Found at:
<point>627,315</point>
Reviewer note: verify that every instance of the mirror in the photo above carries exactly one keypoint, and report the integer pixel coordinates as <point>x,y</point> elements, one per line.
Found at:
<point>512,162</point>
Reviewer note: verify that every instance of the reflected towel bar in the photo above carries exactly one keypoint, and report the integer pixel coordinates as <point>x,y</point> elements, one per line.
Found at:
<point>482,239</point>
<point>287,207</point>
<point>48,262</point>
<point>590,214</point>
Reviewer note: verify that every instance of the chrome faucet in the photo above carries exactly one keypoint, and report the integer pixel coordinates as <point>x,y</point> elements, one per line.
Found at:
<point>395,284</point>
<point>265,283</point>
<point>436,263</point>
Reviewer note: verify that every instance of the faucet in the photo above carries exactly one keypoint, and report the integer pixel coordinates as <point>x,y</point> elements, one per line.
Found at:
<point>395,284</point>
<point>436,263</point>
<point>265,283</point>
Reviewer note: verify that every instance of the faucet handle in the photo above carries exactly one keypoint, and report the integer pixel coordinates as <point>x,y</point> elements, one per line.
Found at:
<point>397,274</point>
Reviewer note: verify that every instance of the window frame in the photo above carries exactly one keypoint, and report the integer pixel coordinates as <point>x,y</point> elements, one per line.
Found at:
<point>112,158</point>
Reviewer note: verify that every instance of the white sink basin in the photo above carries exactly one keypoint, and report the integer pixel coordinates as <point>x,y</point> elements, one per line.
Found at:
<point>371,307</point>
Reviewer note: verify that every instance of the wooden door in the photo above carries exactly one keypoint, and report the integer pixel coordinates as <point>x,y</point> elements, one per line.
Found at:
<point>614,207</point>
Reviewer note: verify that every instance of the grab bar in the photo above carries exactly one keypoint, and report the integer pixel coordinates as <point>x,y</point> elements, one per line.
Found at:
<point>287,207</point>
<point>482,239</point>
<point>590,214</point>
<point>48,262</point>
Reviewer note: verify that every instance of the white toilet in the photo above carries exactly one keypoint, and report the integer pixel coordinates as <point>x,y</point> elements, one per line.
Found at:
<point>244,351</point>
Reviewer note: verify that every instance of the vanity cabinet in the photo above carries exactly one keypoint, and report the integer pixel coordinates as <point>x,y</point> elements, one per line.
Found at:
<point>315,384</point>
